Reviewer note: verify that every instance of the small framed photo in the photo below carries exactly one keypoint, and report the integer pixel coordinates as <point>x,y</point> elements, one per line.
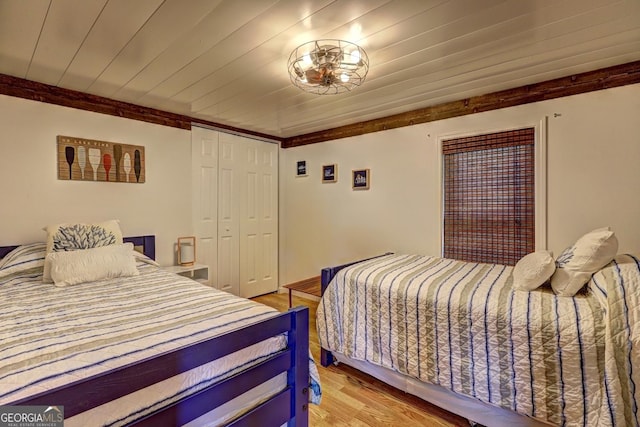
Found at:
<point>301,168</point>
<point>360,179</point>
<point>330,173</point>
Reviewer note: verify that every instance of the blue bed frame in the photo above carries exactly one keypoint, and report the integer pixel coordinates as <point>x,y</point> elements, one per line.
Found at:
<point>289,406</point>
<point>326,275</point>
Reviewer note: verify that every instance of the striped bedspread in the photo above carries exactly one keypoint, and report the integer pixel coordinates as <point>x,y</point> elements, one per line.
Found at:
<point>567,361</point>
<point>50,336</point>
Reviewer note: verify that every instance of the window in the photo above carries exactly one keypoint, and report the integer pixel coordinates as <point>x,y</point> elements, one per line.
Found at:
<point>489,197</point>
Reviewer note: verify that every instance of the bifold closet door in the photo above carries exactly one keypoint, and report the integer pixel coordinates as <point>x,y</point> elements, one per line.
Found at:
<point>230,166</point>
<point>235,205</point>
<point>204,166</point>
<point>259,219</point>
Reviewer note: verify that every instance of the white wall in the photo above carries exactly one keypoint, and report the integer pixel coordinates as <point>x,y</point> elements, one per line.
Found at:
<point>593,179</point>
<point>32,196</point>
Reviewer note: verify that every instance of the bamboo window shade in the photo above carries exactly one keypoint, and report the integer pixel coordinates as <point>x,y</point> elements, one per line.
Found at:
<point>489,202</point>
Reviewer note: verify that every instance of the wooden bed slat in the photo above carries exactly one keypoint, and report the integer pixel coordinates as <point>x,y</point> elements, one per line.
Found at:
<point>219,393</point>
<point>270,413</point>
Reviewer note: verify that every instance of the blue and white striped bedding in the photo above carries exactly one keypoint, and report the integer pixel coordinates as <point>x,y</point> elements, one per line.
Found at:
<point>50,336</point>
<point>567,361</point>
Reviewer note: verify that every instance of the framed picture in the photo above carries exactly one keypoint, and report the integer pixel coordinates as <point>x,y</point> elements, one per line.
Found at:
<point>330,173</point>
<point>82,159</point>
<point>360,179</point>
<point>301,168</point>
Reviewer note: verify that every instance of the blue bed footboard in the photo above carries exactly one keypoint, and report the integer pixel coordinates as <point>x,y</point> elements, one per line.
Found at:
<point>326,275</point>
<point>288,406</point>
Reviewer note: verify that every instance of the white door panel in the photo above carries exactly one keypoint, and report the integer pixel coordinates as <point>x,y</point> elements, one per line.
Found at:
<point>227,265</point>
<point>204,165</point>
<point>259,254</point>
<point>251,249</point>
<point>228,220</point>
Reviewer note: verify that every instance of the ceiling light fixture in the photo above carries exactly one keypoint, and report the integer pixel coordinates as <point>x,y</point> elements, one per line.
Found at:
<point>328,67</point>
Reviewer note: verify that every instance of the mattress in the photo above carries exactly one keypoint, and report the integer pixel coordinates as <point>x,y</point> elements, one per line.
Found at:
<point>565,361</point>
<point>52,336</point>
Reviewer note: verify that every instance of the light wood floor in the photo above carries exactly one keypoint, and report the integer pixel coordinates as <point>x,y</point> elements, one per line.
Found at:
<point>352,398</point>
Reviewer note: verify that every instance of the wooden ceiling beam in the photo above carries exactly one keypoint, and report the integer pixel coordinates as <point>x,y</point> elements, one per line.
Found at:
<point>605,78</point>
<point>29,89</point>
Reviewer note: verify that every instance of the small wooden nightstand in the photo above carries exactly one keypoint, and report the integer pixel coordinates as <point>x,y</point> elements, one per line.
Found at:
<point>197,272</point>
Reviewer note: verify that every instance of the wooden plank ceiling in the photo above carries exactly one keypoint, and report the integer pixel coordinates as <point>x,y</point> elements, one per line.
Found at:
<point>225,61</point>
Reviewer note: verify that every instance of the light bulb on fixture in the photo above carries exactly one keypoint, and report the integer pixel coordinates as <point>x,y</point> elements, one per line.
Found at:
<point>355,56</point>
<point>328,66</point>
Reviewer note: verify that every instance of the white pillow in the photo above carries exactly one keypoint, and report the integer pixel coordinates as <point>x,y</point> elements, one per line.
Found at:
<point>533,270</point>
<point>87,265</point>
<point>577,263</point>
<point>71,237</point>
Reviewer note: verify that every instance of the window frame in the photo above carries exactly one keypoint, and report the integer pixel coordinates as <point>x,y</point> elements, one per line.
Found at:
<point>540,175</point>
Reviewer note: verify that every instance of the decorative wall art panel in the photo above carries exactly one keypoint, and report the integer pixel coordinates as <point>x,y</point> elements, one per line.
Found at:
<point>84,159</point>
<point>360,179</point>
<point>330,173</point>
<point>301,168</point>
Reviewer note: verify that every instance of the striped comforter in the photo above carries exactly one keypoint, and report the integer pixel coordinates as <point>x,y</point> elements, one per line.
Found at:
<point>567,361</point>
<point>50,336</point>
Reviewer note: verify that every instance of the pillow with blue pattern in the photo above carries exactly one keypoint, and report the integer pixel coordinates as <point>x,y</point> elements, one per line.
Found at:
<point>577,263</point>
<point>72,237</point>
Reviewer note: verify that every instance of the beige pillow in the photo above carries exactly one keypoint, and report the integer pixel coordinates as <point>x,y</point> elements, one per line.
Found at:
<point>71,237</point>
<point>533,270</point>
<point>90,265</point>
<point>577,263</point>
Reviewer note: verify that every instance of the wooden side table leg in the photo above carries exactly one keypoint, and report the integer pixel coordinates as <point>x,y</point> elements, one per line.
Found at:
<point>289,298</point>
